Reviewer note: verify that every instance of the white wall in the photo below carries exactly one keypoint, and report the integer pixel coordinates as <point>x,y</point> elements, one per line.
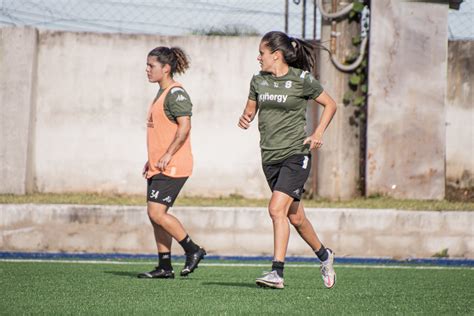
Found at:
<point>73,109</point>
<point>93,96</point>
<point>18,53</point>
<point>406,106</point>
<point>236,231</point>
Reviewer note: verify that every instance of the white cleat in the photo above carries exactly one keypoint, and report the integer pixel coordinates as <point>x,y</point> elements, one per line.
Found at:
<point>327,270</point>
<point>271,280</point>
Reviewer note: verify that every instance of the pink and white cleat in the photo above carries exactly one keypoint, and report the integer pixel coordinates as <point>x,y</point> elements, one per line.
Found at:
<point>327,270</point>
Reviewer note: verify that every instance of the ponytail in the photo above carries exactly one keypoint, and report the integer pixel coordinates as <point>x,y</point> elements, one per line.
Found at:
<point>174,56</point>
<point>297,53</point>
<point>182,62</point>
<point>304,54</point>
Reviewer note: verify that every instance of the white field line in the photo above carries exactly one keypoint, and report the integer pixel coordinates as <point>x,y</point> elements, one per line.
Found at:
<point>251,265</point>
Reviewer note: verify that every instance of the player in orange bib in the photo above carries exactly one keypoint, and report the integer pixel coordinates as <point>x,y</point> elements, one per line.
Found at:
<point>170,159</point>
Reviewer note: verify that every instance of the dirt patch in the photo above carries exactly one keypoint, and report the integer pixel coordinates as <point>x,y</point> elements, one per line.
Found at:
<point>459,194</point>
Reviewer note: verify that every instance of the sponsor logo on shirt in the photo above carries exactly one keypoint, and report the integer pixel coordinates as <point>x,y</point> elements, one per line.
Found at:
<point>264,83</point>
<point>280,98</point>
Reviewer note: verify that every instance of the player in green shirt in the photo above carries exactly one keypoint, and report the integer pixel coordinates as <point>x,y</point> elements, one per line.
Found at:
<point>177,103</point>
<point>279,93</point>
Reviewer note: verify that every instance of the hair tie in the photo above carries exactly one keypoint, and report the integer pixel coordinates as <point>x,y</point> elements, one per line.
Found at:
<point>293,42</point>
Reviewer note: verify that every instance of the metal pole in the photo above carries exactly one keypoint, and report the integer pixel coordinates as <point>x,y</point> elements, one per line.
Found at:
<point>303,33</point>
<point>314,19</point>
<point>286,16</point>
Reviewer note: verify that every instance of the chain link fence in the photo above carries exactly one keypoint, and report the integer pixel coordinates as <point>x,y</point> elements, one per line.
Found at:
<point>165,17</point>
<point>185,17</point>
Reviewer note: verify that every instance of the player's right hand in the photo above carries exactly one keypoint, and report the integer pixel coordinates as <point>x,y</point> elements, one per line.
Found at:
<point>145,169</point>
<point>244,120</point>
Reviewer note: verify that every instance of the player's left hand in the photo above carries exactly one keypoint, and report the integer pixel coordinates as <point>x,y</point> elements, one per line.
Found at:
<point>314,141</point>
<point>164,161</point>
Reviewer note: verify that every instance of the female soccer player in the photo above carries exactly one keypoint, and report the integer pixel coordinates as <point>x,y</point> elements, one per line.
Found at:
<point>170,160</point>
<point>279,93</point>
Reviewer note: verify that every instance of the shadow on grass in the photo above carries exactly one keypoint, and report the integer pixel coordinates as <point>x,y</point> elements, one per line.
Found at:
<point>134,275</point>
<point>124,274</point>
<point>232,284</point>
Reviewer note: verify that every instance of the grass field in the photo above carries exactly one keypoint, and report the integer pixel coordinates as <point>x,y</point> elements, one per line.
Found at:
<point>236,200</point>
<point>216,288</point>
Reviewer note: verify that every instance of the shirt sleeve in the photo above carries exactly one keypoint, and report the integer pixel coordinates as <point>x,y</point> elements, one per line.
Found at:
<point>311,87</point>
<point>178,103</point>
<point>253,89</point>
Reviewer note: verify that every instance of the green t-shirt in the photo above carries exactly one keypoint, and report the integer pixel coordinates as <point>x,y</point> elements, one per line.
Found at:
<point>282,103</point>
<point>177,103</point>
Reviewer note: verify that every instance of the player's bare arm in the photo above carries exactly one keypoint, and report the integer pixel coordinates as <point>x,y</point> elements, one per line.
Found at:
<point>247,117</point>
<point>315,140</point>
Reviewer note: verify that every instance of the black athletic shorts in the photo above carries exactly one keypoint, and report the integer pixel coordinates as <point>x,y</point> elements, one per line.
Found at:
<point>289,175</point>
<point>163,189</point>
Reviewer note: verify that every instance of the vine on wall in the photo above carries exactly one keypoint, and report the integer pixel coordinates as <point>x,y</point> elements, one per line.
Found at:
<point>356,97</point>
<point>358,85</point>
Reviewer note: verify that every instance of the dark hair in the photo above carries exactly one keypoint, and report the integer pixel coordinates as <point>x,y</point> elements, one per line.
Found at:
<point>174,56</point>
<point>296,52</point>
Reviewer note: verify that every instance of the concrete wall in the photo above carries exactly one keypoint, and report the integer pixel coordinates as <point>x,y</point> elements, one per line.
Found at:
<point>460,115</point>
<point>18,57</point>
<point>73,107</point>
<point>236,231</point>
<point>406,105</point>
<point>338,160</point>
<point>92,99</point>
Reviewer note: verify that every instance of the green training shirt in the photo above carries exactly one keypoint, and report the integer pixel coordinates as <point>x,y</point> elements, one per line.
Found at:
<point>282,103</point>
<point>177,103</point>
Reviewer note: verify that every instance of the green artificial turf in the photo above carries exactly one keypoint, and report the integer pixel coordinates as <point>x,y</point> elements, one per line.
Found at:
<point>72,288</point>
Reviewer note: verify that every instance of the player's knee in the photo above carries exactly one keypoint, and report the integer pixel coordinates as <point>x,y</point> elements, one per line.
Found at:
<point>276,212</point>
<point>296,221</point>
<point>155,216</point>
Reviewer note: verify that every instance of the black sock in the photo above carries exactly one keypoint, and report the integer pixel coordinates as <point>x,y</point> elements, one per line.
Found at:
<point>322,253</point>
<point>278,266</point>
<point>188,245</point>
<point>164,260</point>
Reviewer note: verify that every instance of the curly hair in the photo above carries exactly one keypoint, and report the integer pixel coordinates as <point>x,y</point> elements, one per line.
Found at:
<point>173,56</point>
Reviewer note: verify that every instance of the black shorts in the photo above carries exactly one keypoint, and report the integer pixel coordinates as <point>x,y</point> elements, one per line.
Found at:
<point>290,175</point>
<point>163,189</point>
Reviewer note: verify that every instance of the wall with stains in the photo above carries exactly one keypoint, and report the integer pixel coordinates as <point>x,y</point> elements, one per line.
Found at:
<point>460,115</point>
<point>386,233</point>
<point>73,108</point>
<point>88,113</point>
<point>406,132</point>
<point>18,59</point>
